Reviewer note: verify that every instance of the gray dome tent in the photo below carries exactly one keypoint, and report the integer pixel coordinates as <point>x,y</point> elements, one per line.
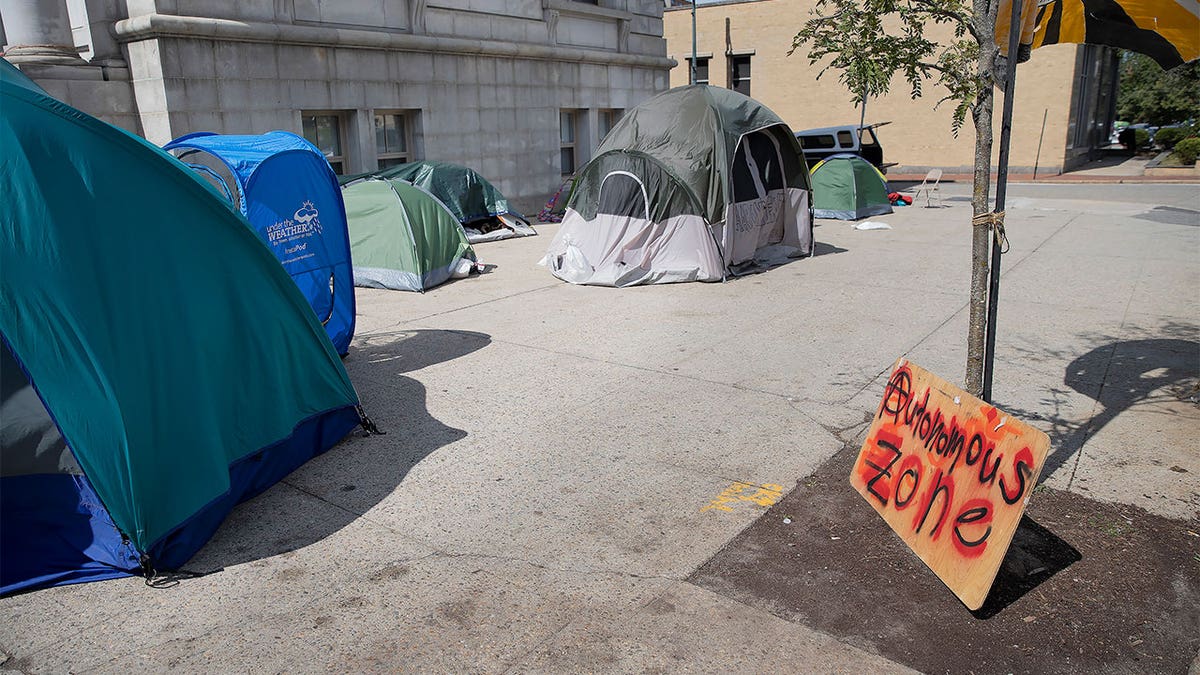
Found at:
<point>691,185</point>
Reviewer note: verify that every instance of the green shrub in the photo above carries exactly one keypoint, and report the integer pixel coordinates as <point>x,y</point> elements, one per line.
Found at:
<point>1187,150</point>
<point>1168,137</point>
<point>1142,137</point>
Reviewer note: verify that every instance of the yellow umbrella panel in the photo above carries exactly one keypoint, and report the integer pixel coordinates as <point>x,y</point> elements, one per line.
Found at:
<point>1167,31</point>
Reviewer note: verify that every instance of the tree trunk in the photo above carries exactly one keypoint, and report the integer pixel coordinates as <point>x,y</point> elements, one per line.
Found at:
<point>981,114</point>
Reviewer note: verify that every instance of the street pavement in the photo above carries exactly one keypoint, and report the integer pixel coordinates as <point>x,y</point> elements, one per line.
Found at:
<point>556,456</point>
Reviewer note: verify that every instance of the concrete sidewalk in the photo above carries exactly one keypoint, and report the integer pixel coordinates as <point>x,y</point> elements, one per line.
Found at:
<point>556,455</point>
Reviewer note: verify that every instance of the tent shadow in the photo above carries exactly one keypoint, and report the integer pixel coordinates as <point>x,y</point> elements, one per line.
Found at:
<point>821,248</point>
<point>1035,555</point>
<point>333,490</point>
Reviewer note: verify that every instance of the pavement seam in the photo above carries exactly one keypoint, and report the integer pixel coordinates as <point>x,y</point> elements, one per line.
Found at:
<point>1097,405</point>
<point>791,400</point>
<point>646,369</point>
<point>964,307</point>
<point>459,309</point>
<point>440,553</point>
<point>85,630</point>
<point>512,665</point>
<point>812,629</point>
<point>363,516</point>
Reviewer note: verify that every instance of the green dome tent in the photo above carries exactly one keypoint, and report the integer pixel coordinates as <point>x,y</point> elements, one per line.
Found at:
<point>485,214</point>
<point>401,237</point>
<point>157,364</point>
<point>691,185</point>
<point>848,187</point>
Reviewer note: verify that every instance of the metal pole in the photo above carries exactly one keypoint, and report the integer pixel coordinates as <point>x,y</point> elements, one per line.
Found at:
<point>1010,85</point>
<point>1037,158</point>
<point>692,75</point>
<point>863,119</point>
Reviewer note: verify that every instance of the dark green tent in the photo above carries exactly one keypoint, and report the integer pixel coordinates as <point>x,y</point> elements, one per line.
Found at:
<point>485,214</point>
<point>692,184</point>
<point>848,187</point>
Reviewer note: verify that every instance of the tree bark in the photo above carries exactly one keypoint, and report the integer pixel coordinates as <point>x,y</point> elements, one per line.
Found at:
<point>981,114</point>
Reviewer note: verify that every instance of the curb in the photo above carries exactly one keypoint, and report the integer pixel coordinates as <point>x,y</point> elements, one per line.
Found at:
<point>1063,179</point>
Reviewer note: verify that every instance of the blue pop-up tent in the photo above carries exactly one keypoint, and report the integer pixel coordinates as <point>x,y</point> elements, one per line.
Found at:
<point>157,365</point>
<point>286,189</point>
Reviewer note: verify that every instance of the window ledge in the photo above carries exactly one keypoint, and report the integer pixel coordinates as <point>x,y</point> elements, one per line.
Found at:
<point>584,9</point>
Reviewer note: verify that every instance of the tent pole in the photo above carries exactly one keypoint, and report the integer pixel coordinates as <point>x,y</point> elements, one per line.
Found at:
<point>692,70</point>
<point>1010,83</point>
<point>863,118</point>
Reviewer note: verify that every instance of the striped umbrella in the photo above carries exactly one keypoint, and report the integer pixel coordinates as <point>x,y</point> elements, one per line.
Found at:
<point>1167,31</point>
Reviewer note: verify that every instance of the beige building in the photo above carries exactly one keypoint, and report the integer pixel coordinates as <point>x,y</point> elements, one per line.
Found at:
<point>743,44</point>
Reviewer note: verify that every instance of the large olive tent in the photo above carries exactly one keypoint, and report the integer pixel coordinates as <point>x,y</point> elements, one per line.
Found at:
<point>157,364</point>
<point>848,187</point>
<point>401,237</point>
<point>691,185</point>
<point>485,214</point>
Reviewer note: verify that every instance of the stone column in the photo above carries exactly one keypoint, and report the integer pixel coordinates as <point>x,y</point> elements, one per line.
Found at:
<point>38,31</point>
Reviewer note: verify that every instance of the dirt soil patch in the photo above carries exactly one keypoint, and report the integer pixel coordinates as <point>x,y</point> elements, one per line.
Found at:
<point>1086,587</point>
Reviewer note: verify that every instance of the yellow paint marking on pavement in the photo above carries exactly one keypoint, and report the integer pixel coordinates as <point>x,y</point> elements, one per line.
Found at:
<point>763,495</point>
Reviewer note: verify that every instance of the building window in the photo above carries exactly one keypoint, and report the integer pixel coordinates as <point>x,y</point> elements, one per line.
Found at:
<point>326,130</point>
<point>1084,93</point>
<point>393,138</point>
<point>567,120</point>
<point>608,120</point>
<point>701,69</point>
<point>739,74</point>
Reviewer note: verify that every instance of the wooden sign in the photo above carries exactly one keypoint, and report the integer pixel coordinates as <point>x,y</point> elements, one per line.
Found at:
<point>950,474</point>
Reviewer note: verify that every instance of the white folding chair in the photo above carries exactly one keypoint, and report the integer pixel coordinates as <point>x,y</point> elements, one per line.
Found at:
<point>930,187</point>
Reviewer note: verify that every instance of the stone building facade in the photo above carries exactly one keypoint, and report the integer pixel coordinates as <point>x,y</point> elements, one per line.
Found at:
<point>520,90</point>
<point>744,44</point>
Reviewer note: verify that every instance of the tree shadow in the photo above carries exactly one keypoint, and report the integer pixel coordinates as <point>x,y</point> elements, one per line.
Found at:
<point>1171,215</point>
<point>1118,375</point>
<point>1035,555</point>
<point>334,489</point>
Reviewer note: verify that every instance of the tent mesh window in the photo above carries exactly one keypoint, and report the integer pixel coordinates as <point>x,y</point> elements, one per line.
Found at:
<point>30,442</point>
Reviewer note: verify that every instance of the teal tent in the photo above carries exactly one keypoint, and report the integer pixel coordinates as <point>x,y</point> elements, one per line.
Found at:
<point>848,187</point>
<point>157,366</point>
<point>401,237</point>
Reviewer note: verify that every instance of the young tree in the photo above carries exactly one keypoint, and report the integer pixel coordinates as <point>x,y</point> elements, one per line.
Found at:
<point>873,41</point>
